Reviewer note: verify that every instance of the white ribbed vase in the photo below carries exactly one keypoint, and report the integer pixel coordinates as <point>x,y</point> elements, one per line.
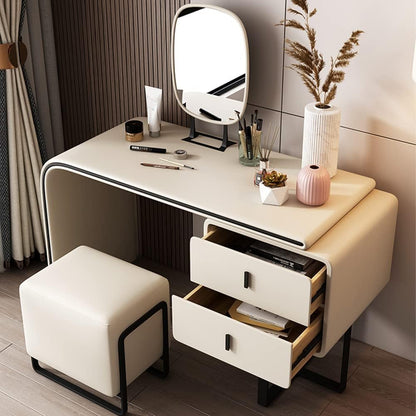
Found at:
<point>321,137</point>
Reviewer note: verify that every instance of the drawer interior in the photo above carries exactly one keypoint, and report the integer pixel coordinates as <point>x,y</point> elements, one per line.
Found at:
<point>242,243</point>
<point>316,270</point>
<point>228,238</point>
<point>208,298</point>
<point>305,340</point>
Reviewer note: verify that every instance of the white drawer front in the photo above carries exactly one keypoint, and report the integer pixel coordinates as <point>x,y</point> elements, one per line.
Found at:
<point>254,351</point>
<point>271,287</point>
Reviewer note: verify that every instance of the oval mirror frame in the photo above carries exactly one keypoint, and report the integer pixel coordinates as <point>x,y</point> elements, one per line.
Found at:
<point>229,105</point>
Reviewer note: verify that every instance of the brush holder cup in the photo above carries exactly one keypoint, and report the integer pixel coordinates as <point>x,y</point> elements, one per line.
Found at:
<point>249,150</point>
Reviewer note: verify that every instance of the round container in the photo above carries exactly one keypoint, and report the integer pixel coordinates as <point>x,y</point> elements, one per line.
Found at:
<point>313,185</point>
<point>180,154</point>
<point>134,130</point>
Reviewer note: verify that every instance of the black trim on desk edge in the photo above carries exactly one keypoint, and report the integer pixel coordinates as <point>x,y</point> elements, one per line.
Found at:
<point>157,197</point>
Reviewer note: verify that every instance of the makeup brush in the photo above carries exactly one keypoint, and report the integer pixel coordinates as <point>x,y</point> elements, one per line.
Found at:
<point>249,142</point>
<point>241,134</point>
<point>259,123</point>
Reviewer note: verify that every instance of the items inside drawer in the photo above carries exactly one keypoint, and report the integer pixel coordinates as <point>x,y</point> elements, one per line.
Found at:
<point>223,304</point>
<point>264,251</point>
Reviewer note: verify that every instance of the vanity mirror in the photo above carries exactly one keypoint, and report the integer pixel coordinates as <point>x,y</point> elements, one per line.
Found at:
<point>210,66</point>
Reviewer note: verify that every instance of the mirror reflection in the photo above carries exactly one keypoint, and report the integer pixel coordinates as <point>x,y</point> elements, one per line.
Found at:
<point>210,63</point>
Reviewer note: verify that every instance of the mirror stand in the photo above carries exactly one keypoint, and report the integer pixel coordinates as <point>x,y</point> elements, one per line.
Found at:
<point>193,134</point>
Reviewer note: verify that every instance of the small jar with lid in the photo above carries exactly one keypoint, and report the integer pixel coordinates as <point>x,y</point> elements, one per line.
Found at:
<point>134,130</point>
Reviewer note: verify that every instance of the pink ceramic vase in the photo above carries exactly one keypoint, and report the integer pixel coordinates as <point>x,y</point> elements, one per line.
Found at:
<point>313,184</point>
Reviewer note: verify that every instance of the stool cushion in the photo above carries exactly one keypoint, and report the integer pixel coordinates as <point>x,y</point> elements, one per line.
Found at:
<point>75,310</point>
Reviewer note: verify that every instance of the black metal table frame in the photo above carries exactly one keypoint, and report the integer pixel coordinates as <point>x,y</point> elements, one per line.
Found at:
<point>267,392</point>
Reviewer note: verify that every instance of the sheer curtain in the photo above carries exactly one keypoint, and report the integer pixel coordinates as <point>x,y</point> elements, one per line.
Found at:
<point>22,151</point>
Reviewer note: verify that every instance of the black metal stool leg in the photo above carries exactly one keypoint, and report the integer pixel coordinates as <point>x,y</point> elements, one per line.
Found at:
<point>77,389</point>
<point>338,386</point>
<point>122,410</point>
<point>165,355</point>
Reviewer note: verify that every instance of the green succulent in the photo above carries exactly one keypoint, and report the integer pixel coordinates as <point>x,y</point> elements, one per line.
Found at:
<point>274,179</point>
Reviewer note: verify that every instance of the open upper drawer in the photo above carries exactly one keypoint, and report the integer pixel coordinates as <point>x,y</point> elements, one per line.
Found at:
<point>218,262</point>
<point>200,321</point>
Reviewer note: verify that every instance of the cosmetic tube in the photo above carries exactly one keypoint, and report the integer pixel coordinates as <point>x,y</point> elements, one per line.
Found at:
<point>154,109</point>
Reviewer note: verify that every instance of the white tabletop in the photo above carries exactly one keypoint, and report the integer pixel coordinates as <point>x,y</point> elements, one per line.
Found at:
<point>220,187</point>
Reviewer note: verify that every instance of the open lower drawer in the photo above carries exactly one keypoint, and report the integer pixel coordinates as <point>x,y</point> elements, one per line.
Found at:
<point>200,320</point>
<point>218,262</point>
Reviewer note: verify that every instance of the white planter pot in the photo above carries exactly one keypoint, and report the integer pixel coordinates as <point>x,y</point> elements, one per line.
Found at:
<point>273,196</point>
<point>321,137</point>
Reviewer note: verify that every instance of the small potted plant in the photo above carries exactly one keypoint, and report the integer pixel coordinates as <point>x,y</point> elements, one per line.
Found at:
<point>273,188</point>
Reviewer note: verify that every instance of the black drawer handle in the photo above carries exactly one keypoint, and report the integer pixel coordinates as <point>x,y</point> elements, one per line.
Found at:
<point>246,280</point>
<point>227,342</point>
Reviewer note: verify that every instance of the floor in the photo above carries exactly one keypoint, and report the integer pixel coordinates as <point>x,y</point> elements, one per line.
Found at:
<point>379,383</point>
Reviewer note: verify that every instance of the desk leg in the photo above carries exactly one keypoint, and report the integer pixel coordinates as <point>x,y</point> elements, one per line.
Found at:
<point>267,392</point>
<point>338,386</point>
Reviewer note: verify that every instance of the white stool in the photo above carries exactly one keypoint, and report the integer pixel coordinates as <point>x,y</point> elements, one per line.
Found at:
<point>89,314</point>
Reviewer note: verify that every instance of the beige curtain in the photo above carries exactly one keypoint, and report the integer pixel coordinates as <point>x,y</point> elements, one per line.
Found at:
<point>1,254</point>
<point>41,68</point>
<point>23,150</point>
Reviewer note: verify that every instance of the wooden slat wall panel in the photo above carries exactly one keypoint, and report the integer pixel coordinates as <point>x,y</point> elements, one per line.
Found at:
<point>107,50</point>
<point>165,239</point>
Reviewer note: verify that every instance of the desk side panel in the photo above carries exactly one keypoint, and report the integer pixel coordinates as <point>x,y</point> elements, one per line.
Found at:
<point>358,252</point>
<point>79,210</point>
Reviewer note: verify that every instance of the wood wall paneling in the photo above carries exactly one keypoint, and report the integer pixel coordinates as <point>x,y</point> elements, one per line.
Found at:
<point>107,51</point>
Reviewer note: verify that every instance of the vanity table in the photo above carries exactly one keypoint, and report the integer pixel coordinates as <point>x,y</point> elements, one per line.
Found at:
<point>89,197</point>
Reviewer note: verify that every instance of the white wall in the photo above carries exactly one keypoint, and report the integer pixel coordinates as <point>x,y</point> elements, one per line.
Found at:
<point>378,134</point>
